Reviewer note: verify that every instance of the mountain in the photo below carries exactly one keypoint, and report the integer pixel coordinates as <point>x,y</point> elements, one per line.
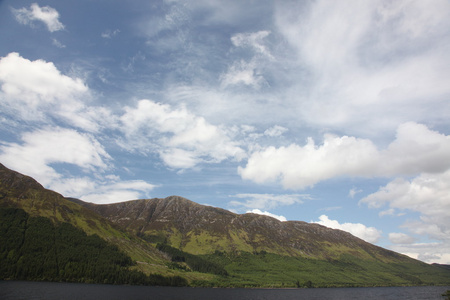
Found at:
<point>253,244</point>
<point>183,242</point>
<point>200,229</point>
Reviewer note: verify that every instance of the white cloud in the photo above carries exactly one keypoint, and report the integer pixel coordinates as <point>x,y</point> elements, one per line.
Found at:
<point>299,167</point>
<point>46,14</point>
<point>37,91</point>
<point>401,238</point>
<point>266,213</point>
<point>181,138</point>
<point>427,252</point>
<point>108,189</point>
<point>179,158</point>
<point>427,194</point>
<point>267,201</point>
<point>416,149</point>
<point>369,234</point>
<point>35,82</point>
<point>368,61</point>
<point>117,191</point>
<point>42,148</point>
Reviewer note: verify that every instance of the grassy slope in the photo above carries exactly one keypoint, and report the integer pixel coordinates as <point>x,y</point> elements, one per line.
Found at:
<point>249,268</point>
<point>271,270</point>
<point>19,191</point>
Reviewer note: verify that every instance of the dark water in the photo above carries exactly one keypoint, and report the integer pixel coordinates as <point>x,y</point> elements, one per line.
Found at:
<point>49,291</point>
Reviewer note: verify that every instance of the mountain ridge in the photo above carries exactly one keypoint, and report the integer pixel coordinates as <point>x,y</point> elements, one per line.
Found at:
<point>231,231</point>
<point>208,246</point>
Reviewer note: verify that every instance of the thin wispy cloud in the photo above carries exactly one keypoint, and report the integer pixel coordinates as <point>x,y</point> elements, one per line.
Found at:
<point>46,14</point>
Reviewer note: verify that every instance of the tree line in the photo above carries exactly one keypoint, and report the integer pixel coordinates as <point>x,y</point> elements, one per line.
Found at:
<point>34,248</point>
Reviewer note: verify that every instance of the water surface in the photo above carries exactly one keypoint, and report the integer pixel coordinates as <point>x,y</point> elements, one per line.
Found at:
<point>12,290</point>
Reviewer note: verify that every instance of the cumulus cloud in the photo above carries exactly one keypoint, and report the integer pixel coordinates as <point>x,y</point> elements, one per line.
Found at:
<point>267,201</point>
<point>369,234</point>
<point>37,91</point>
<point>34,82</point>
<point>46,14</point>
<point>299,167</point>
<point>416,149</point>
<point>42,148</point>
<point>427,194</point>
<point>41,152</point>
<point>181,138</point>
<point>266,213</point>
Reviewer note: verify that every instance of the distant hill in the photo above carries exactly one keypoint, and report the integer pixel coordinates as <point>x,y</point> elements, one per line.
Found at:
<point>187,243</point>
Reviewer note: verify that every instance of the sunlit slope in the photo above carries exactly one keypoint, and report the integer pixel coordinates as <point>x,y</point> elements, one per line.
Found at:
<point>259,250</point>
<point>214,247</point>
<point>200,229</point>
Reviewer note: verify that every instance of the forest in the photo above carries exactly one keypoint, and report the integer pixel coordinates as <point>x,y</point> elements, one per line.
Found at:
<point>196,263</point>
<point>35,248</point>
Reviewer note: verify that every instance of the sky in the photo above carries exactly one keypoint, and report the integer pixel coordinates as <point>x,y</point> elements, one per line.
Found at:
<point>333,112</point>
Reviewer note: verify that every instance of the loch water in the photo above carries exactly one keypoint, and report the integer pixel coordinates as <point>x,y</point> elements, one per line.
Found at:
<point>13,290</point>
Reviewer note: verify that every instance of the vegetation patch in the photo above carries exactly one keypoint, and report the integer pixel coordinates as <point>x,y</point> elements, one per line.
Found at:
<point>34,248</point>
<point>195,262</point>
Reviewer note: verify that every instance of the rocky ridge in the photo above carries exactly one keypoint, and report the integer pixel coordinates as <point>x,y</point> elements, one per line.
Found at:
<point>203,229</point>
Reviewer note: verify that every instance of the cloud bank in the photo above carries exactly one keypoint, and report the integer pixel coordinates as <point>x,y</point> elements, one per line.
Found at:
<point>416,149</point>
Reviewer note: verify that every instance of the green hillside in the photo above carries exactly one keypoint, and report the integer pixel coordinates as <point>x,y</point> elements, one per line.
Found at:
<point>34,248</point>
<point>23,192</point>
<point>174,241</point>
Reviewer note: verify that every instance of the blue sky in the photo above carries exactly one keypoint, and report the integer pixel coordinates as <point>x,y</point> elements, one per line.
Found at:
<point>333,112</point>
